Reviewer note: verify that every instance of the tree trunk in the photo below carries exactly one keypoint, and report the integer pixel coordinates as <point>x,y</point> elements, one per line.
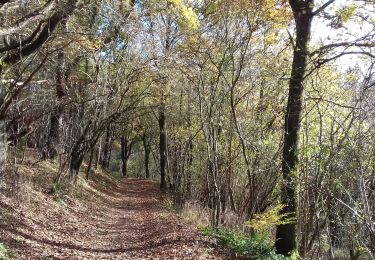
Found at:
<point>105,154</point>
<point>286,233</point>
<point>147,160</point>
<point>75,165</point>
<point>190,149</point>
<point>147,148</point>
<point>53,136</point>
<point>3,145</point>
<point>124,157</point>
<point>89,166</point>
<point>126,150</point>
<point>189,166</point>
<point>162,146</point>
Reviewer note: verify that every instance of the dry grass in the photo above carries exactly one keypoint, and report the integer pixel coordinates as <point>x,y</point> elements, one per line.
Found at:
<point>198,215</point>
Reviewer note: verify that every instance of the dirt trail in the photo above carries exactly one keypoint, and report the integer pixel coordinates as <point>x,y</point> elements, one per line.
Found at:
<point>125,220</point>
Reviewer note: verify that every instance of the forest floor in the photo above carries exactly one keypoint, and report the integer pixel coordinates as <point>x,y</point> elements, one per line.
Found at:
<point>105,218</point>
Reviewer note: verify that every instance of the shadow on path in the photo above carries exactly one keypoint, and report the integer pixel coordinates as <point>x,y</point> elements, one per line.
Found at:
<point>125,221</point>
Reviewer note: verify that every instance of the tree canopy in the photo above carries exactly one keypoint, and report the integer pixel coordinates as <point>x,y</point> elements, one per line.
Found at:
<point>261,112</point>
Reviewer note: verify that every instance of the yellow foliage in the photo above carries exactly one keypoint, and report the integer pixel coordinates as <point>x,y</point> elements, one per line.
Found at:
<point>276,12</point>
<point>270,218</point>
<point>87,44</point>
<point>175,3</point>
<point>190,17</point>
<point>346,13</point>
<point>272,11</point>
<point>186,17</point>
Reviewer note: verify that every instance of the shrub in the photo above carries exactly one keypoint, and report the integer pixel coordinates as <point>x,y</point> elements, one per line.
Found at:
<point>56,187</point>
<point>265,221</point>
<point>4,252</point>
<point>255,246</point>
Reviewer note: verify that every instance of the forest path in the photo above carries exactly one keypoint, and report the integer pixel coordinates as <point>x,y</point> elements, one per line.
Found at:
<point>125,220</point>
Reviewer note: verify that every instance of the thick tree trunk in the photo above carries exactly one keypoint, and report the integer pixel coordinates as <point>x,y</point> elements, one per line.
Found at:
<point>105,154</point>
<point>124,157</point>
<point>89,166</point>
<point>147,162</point>
<point>77,155</point>
<point>53,136</point>
<point>126,150</point>
<point>286,233</point>
<point>75,165</point>
<point>147,150</point>
<point>162,146</point>
<point>21,50</point>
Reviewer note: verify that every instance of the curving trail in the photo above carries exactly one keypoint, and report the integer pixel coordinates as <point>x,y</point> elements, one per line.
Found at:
<point>116,220</point>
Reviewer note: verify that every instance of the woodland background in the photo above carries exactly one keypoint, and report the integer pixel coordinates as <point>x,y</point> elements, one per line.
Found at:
<point>237,107</point>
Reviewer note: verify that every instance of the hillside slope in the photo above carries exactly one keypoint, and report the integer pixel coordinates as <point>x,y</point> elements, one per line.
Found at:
<point>101,219</point>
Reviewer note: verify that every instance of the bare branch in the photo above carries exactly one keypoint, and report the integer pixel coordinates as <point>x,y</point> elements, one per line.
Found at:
<point>342,44</point>
<point>3,2</point>
<point>323,7</point>
<point>59,14</point>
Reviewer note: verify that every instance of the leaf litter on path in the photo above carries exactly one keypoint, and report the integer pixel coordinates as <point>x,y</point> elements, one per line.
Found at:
<point>123,219</point>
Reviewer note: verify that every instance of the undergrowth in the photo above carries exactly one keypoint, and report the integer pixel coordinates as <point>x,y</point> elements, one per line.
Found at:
<point>259,244</point>
<point>4,252</point>
<point>58,190</point>
<point>255,246</point>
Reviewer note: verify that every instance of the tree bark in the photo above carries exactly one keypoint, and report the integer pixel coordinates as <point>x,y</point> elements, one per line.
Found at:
<point>40,35</point>
<point>105,154</point>
<point>75,165</point>
<point>147,149</point>
<point>189,165</point>
<point>53,137</point>
<point>162,146</point>
<point>125,154</point>
<point>190,149</point>
<point>286,233</point>
<point>89,166</point>
<point>76,157</point>
<point>3,145</point>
